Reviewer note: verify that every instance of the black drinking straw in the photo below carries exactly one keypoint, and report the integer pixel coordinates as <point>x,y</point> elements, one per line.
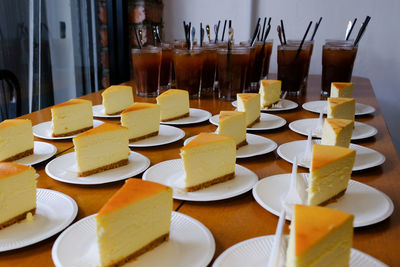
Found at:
<point>263,28</point>
<point>137,37</point>
<point>283,32</point>
<point>269,21</point>
<point>216,32</point>
<point>316,29</point>
<point>302,41</point>
<point>255,32</point>
<point>362,30</point>
<point>201,34</point>
<point>185,27</point>
<point>153,34</point>
<point>351,29</point>
<point>223,31</point>
<point>278,29</point>
<point>266,33</point>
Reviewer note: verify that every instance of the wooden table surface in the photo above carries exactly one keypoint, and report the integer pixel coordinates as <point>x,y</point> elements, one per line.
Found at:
<point>239,218</point>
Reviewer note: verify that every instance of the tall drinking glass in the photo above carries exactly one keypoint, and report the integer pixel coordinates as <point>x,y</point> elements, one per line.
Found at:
<point>166,66</point>
<point>209,53</point>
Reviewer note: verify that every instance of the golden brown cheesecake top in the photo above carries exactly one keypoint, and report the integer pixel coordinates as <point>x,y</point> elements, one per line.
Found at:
<point>114,88</point>
<point>341,85</point>
<point>72,102</point>
<point>132,191</point>
<point>333,101</point>
<point>174,92</point>
<point>9,168</point>
<point>226,114</point>
<point>312,223</point>
<point>139,106</point>
<point>205,138</point>
<point>266,83</point>
<point>338,124</point>
<point>324,154</point>
<point>246,96</point>
<point>105,127</point>
<point>12,122</point>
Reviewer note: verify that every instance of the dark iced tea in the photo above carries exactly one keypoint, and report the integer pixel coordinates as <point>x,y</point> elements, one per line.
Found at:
<point>166,66</point>
<point>188,66</point>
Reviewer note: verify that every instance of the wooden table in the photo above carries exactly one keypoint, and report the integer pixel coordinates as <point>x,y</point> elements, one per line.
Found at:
<point>239,218</point>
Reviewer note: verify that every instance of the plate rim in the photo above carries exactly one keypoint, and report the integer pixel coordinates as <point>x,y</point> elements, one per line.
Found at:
<point>55,230</point>
<point>180,134</point>
<point>262,114</point>
<point>105,116</point>
<point>200,225</point>
<point>207,115</point>
<point>44,123</point>
<point>383,217</point>
<point>49,155</point>
<point>295,105</point>
<point>148,163</point>
<point>373,109</point>
<point>177,197</point>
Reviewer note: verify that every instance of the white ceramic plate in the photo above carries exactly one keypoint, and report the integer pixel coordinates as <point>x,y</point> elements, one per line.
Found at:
<point>365,157</point>
<point>195,116</point>
<point>98,111</point>
<point>368,205</point>
<point>43,130</point>
<point>360,131</point>
<point>41,151</point>
<point>256,145</point>
<point>255,252</point>
<point>166,135</point>
<point>267,122</point>
<point>190,244</point>
<point>171,173</point>
<point>54,212</point>
<point>64,169</point>
<point>286,105</point>
<point>315,106</point>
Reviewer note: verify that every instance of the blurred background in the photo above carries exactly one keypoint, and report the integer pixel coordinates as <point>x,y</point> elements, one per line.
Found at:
<point>55,50</point>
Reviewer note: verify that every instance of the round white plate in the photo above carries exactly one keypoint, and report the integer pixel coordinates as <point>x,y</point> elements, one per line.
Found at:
<point>54,212</point>
<point>195,116</point>
<point>43,130</point>
<point>64,169</point>
<point>315,106</point>
<point>286,105</point>
<point>98,111</point>
<point>41,151</point>
<point>368,205</point>
<point>256,145</point>
<point>171,173</point>
<point>255,252</point>
<point>267,122</point>
<point>190,244</point>
<point>365,157</point>
<point>360,131</point>
<point>166,135</point>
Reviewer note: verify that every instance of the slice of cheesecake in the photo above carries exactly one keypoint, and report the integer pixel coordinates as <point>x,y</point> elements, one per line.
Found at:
<point>330,171</point>
<point>270,92</point>
<point>142,120</point>
<point>233,124</point>
<point>320,237</point>
<point>337,132</point>
<point>102,148</point>
<point>342,89</point>
<point>17,193</point>
<point>135,220</point>
<point>249,103</point>
<point>16,139</point>
<point>341,108</point>
<point>208,159</point>
<point>116,98</point>
<point>174,104</point>
<point>71,117</point>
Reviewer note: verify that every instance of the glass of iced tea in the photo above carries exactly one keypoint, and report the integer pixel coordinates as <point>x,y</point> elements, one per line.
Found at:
<point>292,67</point>
<point>250,68</point>
<point>209,53</point>
<point>166,66</point>
<point>188,66</point>
<point>307,43</point>
<point>232,69</point>
<point>146,65</point>
<point>267,56</point>
<point>337,63</point>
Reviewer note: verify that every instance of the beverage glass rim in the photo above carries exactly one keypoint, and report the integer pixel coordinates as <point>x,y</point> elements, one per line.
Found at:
<point>146,49</point>
<point>195,50</point>
<point>234,50</point>
<point>293,47</point>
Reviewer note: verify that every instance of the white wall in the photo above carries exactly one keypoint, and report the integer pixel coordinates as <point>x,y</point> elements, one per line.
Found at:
<point>379,51</point>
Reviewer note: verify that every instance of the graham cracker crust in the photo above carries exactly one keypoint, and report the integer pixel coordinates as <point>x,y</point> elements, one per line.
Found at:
<point>243,143</point>
<point>254,122</point>
<point>270,105</point>
<point>217,180</point>
<point>115,113</point>
<point>20,155</point>
<point>143,137</point>
<point>17,218</point>
<point>179,117</point>
<point>73,132</point>
<point>141,251</point>
<point>333,199</point>
<point>104,168</point>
